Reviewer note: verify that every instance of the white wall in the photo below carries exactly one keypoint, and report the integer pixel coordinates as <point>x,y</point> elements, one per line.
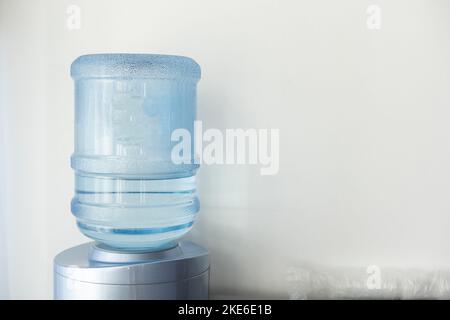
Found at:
<point>363,116</point>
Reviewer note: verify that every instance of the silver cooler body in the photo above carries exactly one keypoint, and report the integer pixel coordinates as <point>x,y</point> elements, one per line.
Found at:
<point>90,271</point>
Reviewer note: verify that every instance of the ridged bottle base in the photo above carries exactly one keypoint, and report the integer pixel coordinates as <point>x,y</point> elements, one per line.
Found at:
<point>135,214</point>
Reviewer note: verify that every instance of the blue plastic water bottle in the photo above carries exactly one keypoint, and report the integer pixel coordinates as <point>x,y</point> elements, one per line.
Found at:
<point>129,194</point>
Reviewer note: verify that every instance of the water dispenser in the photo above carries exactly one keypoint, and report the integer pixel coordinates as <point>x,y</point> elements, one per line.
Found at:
<point>130,196</point>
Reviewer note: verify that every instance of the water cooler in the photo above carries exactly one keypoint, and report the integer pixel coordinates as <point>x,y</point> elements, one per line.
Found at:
<point>131,197</point>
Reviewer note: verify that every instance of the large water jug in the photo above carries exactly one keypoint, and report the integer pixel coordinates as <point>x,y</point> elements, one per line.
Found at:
<point>129,194</point>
